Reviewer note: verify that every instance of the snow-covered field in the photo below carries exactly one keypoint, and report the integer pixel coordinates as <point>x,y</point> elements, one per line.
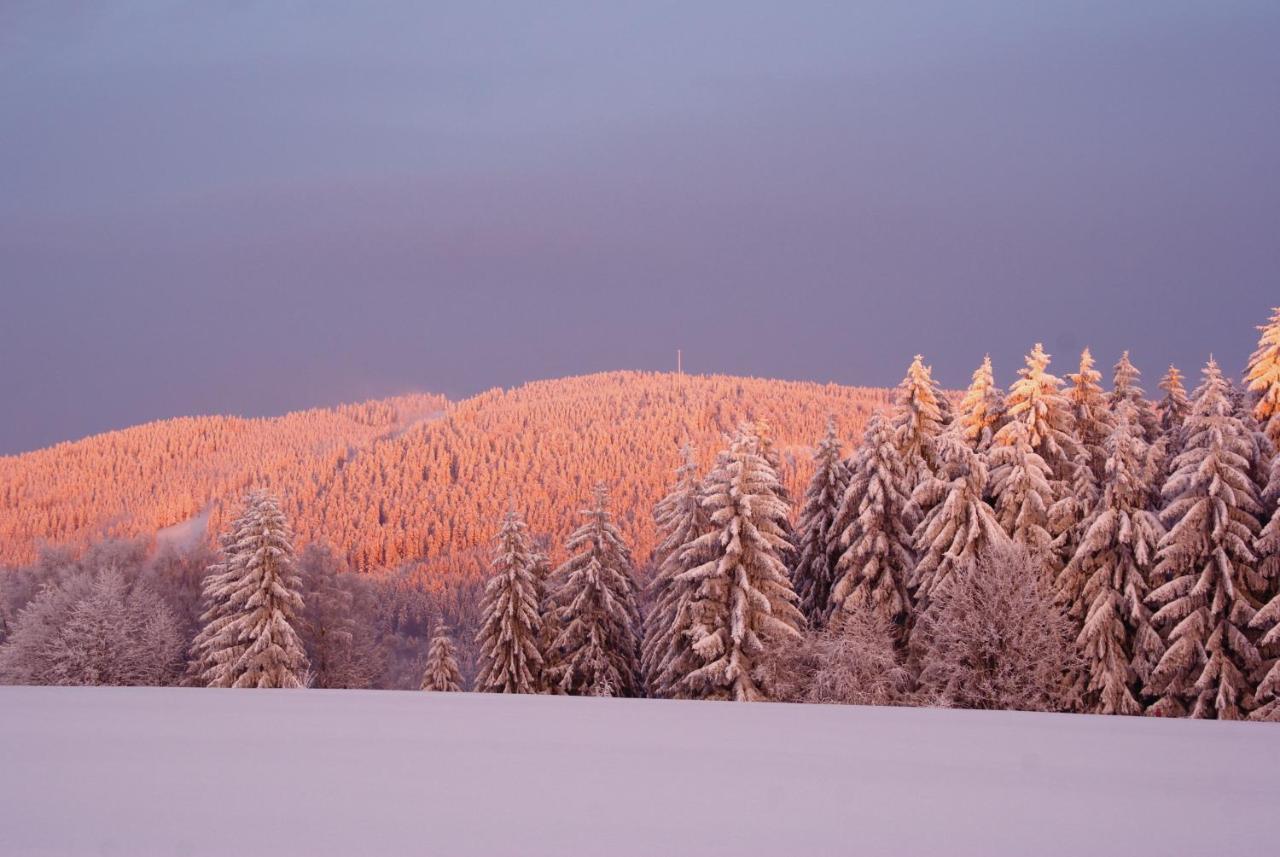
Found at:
<point>177,772</point>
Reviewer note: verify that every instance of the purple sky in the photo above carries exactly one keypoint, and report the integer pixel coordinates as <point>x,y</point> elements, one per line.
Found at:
<point>255,207</point>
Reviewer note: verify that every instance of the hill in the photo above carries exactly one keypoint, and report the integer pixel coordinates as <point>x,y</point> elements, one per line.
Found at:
<point>386,487</point>
<point>463,774</point>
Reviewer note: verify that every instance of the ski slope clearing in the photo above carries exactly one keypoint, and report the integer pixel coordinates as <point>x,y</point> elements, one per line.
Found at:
<point>194,772</point>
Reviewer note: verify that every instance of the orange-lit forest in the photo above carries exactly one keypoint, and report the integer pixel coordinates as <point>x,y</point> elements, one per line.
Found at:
<point>415,479</point>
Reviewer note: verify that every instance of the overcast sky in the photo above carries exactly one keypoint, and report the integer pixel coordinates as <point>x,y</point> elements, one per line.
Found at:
<point>254,207</point>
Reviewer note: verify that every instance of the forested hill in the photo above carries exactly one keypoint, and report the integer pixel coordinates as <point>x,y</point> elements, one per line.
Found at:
<point>386,486</point>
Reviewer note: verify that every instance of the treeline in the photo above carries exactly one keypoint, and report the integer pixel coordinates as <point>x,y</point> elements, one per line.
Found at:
<point>1056,546</point>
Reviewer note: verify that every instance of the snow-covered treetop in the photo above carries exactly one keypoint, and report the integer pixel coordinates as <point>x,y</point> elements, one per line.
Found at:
<point>982,407</point>
<point>1037,402</point>
<point>1263,377</point>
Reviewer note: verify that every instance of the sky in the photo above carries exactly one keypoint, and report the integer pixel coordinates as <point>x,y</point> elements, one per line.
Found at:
<point>254,207</point>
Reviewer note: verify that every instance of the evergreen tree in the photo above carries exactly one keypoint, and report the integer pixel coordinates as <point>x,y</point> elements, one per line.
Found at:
<point>681,519</point>
<point>743,606</point>
<point>1175,405</point>
<point>1125,388</point>
<point>1206,559</point>
<point>819,549</point>
<point>248,639</point>
<point>1263,378</point>
<point>510,622</point>
<point>981,411</point>
<point>959,524</point>
<point>1108,578</point>
<point>1090,413</point>
<point>597,652</point>
<point>1036,402</point>
<point>921,412</point>
<point>1267,620</point>
<point>442,673</point>
<point>1020,485</point>
<point>873,529</point>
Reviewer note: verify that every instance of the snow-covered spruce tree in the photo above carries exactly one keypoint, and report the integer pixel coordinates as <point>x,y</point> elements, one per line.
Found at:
<point>1206,558</point>
<point>441,673</point>
<point>1175,405</point>
<point>981,411</point>
<point>959,525</point>
<point>1263,378</point>
<point>1036,402</point>
<point>1125,388</point>
<point>1069,515</point>
<point>743,606</point>
<point>921,412</point>
<point>254,599</point>
<point>510,622</point>
<point>873,529</point>
<point>597,651</point>
<point>995,639</point>
<point>1021,488</point>
<point>814,573</point>
<point>1090,413</point>
<point>1267,619</point>
<point>1108,577</point>
<point>681,520</point>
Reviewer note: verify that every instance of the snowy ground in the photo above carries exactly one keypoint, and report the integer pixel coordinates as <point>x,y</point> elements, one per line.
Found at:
<point>177,772</point>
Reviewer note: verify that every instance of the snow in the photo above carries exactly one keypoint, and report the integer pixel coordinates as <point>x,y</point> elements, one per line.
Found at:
<point>144,771</point>
<point>186,534</point>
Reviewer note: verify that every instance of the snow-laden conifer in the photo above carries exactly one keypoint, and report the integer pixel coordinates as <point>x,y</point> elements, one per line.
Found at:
<point>1020,484</point>
<point>814,573</point>
<point>959,525</point>
<point>1109,574</point>
<point>1125,387</point>
<point>597,651</point>
<point>1090,413</point>
<point>1175,405</point>
<point>1206,565</point>
<point>1037,403</point>
<point>248,638</point>
<point>1263,378</point>
<point>921,412</point>
<point>743,605</point>
<point>441,673</point>
<point>873,531</point>
<point>1267,619</point>
<point>981,411</point>
<point>510,621</point>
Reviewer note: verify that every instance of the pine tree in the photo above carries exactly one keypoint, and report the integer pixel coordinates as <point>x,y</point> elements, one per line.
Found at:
<point>442,673</point>
<point>681,519</point>
<point>248,639</point>
<point>814,573</point>
<point>873,530</point>
<point>1125,388</point>
<point>743,606</point>
<point>1020,485</point>
<point>1263,378</point>
<point>1090,414</point>
<point>981,411</point>
<point>1036,402</point>
<point>959,525</point>
<point>1109,579</point>
<point>510,622</point>
<point>597,652</point>
<point>921,412</point>
<point>1206,559</point>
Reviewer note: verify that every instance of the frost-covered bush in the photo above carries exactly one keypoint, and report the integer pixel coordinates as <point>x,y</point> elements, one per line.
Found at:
<point>852,661</point>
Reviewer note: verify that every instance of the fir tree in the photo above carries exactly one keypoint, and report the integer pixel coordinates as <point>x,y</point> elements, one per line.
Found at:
<point>743,606</point>
<point>959,525</point>
<point>681,519</point>
<point>248,639</point>
<point>1125,388</point>
<point>1036,402</point>
<point>1020,485</point>
<point>1090,413</point>
<point>1175,405</point>
<point>442,673</point>
<point>819,549</point>
<point>510,622</point>
<point>874,530</point>
<point>1263,378</point>
<point>1109,575</point>
<point>921,412</point>
<point>597,652</point>
<point>1206,559</point>
<point>981,411</point>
